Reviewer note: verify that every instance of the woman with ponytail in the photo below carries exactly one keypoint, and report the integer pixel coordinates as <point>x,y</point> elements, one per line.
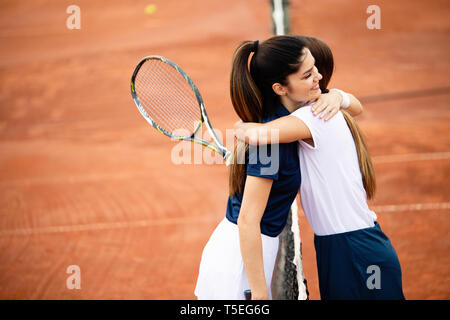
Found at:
<point>241,253</point>
<point>355,259</point>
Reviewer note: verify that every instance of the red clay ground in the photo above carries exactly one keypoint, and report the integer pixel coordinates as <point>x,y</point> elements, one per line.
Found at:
<point>84,180</point>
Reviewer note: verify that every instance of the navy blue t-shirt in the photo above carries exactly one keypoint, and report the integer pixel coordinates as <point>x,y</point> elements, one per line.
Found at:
<point>278,162</point>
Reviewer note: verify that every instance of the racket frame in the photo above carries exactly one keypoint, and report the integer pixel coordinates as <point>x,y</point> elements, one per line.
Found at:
<point>218,147</point>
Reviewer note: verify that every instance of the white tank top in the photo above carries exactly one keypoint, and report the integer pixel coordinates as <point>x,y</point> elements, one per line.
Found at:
<point>332,192</point>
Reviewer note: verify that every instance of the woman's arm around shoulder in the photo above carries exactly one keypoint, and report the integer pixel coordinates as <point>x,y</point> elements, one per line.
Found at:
<point>355,107</point>
<point>282,130</point>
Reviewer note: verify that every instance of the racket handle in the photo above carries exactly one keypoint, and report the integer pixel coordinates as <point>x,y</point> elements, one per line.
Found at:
<point>228,157</point>
<point>248,294</point>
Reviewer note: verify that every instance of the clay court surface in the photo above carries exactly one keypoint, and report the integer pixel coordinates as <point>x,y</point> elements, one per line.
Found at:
<point>85,181</point>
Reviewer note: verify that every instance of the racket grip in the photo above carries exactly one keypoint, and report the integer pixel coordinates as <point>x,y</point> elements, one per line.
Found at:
<point>228,157</point>
<point>248,294</point>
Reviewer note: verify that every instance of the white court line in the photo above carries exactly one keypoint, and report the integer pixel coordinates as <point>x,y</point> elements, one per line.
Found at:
<point>412,207</point>
<point>411,157</point>
<point>171,221</point>
<point>103,226</point>
<point>82,178</point>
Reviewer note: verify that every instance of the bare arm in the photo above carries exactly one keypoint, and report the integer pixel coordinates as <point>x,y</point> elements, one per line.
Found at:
<point>289,128</point>
<point>355,107</point>
<point>254,201</point>
<point>282,130</point>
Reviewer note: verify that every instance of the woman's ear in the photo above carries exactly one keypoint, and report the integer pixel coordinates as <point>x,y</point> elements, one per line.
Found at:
<point>279,89</point>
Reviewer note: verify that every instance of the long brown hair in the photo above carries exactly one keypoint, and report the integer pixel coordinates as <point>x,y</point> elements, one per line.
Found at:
<point>325,65</point>
<point>251,87</point>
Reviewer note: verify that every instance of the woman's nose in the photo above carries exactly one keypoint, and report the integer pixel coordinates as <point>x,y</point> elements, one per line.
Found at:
<point>317,75</point>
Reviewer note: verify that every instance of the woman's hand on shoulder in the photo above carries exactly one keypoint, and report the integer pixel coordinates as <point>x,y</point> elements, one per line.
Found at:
<point>327,105</point>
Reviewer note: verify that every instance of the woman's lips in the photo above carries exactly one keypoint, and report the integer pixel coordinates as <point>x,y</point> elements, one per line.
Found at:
<point>317,87</point>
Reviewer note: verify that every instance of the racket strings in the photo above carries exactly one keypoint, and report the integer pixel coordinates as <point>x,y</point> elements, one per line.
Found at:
<point>166,111</point>
<point>156,105</point>
<point>164,118</point>
<point>167,97</point>
<point>182,91</point>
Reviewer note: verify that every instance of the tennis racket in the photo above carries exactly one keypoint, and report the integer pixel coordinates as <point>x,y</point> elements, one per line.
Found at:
<point>169,100</point>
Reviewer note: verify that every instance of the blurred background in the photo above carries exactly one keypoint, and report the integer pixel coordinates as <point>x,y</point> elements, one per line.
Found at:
<point>85,181</point>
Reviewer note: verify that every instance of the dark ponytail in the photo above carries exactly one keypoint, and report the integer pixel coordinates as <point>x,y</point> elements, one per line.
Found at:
<point>248,104</point>
<point>251,87</point>
<point>245,95</point>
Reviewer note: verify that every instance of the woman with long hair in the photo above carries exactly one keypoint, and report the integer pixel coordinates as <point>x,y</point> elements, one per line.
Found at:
<point>263,182</point>
<point>355,259</point>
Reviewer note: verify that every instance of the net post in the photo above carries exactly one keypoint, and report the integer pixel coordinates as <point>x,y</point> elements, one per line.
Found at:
<point>288,281</point>
<point>281,23</point>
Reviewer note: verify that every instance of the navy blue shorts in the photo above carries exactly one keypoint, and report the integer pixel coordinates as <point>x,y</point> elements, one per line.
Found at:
<point>360,264</point>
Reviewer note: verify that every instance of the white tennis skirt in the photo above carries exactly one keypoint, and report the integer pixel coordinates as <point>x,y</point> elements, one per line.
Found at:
<point>222,273</point>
